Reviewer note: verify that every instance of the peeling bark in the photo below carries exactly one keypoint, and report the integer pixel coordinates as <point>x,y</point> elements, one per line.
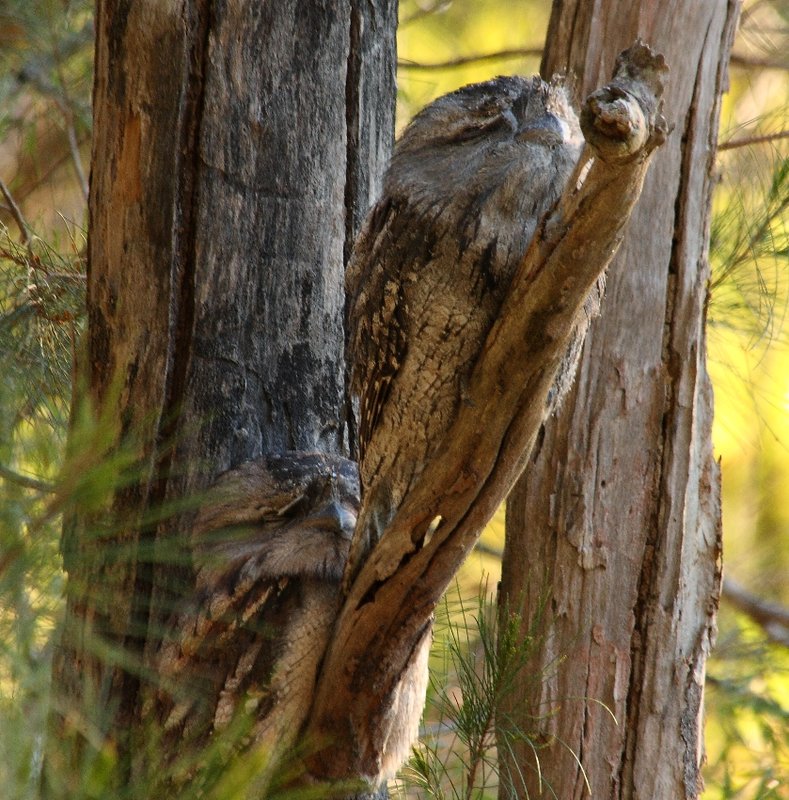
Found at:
<point>617,517</point>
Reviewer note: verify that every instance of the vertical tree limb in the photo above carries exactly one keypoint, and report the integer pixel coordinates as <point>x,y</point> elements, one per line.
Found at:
<point>620,504</point>
<point>228,174</point>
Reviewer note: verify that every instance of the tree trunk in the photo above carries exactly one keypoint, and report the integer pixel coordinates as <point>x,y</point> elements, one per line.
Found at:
<point>616,521</point>
<point>236,148</point>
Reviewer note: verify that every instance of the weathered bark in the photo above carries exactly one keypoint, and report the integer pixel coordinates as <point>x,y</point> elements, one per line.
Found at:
<point>235,148</point>
<point>389,606</point>
<point>617,518</point>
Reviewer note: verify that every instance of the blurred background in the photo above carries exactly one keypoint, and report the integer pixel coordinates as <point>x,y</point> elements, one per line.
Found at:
<point>45,128</point>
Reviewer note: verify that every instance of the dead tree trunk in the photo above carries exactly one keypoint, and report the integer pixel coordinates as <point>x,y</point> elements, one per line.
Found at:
<point>365,692</point>
<point>236,148</point>
<point>617,519</point>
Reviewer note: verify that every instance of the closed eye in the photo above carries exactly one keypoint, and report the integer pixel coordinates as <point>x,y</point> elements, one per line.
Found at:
<point>503,121</point>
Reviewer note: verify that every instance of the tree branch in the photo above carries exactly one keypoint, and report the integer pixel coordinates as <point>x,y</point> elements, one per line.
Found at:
<point>25,481</point>
<point>420,13</point>
<point>479,58</point>
<point>772,617</point>
<point>390,604</point>
<point>16,213</point>
<point>749,140</point>
<point>753,62</point>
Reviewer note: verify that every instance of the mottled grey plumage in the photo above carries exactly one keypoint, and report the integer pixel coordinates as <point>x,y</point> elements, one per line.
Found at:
<point>270,545</point>
<point>470,180</point>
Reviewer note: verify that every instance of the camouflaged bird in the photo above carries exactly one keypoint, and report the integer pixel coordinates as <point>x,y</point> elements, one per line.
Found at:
<point>269,545</point>
<point>471,179</point>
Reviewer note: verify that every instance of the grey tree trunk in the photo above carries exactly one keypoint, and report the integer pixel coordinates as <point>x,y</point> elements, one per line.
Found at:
<point>236,149</point>
<point>616,522</point>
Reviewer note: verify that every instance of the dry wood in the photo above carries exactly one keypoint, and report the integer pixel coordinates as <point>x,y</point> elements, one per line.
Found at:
<point>390,604</point>
<point>617,518</point>
<point>236,146</point>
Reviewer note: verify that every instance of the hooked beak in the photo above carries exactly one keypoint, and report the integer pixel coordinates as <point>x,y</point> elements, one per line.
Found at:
<point>334,517</point>
<point>545,129</point>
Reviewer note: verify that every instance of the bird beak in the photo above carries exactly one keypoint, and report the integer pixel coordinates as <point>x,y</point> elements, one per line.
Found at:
<point>334,517</point>
<point>545,129</point>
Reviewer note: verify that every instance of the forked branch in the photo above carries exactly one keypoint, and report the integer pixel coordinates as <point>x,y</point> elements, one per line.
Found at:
<point>389,605</point>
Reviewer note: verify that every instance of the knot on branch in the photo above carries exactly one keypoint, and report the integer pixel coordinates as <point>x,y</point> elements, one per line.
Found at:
<point>622,120</point>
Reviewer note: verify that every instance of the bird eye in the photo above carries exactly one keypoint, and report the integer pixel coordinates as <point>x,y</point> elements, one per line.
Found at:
<point>293,507</point>
<point>504,120</point>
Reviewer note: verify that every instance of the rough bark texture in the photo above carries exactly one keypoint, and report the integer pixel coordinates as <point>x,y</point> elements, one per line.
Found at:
<point>236,147</point>
<point>358,721</point>
<point>617,518</point>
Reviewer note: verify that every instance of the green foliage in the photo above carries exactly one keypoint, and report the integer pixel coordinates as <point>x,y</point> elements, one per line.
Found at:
<point>45,76</point>
<point>747,700</point>
<point>480,668</point>
<point>46,64</point>
<point>748,714</point>
<point>41,300</point>
<point>749,247</point>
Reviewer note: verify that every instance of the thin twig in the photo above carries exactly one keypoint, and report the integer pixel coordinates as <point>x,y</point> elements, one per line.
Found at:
<point>772,617</point>
<point>462,61</point>
<point>488,550</point>
<point>753,62</point>
<point>66,276</point>
<point>424,12</point>
<point>746,249</point>
<point>749,140</point>
<point>66,106</point>
<point>75,157</point>
<point>25,481</point>
<point>16,213</point>
<point>34,71</point>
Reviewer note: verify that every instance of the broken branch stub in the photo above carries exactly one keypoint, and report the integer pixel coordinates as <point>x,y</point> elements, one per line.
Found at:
<point>623,120</point>
<point>389,605</point>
